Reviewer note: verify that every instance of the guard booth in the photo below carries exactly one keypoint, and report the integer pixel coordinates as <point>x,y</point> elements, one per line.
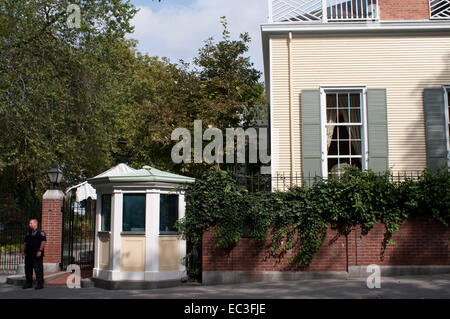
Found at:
<point>137,245</point>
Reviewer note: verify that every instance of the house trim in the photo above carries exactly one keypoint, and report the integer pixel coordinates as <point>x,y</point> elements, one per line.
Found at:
<point>446,88</point>
<point>378,26</point>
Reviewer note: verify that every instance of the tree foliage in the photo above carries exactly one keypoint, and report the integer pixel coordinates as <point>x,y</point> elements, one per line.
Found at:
<point>167,96</point>
<point>85,99</point>
<point>60,89</point>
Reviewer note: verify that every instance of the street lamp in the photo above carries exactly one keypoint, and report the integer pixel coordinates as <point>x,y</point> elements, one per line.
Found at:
<point>55,175</point>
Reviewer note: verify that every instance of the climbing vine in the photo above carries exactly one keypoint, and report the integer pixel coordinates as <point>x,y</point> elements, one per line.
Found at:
<point>299,217</point>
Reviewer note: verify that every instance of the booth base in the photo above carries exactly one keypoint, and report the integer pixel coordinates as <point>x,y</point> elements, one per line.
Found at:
<point>134,285</point>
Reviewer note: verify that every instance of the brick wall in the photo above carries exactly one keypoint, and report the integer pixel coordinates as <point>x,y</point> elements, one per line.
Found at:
<point>416,243</point>
<point>52,226</point>
<point>404,10</point>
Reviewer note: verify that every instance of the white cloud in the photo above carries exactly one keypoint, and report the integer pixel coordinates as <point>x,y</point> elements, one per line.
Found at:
<point>178,31</point>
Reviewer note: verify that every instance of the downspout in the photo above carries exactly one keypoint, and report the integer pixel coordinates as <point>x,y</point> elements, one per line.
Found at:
<point>346,251</point>
<point>291,119</point>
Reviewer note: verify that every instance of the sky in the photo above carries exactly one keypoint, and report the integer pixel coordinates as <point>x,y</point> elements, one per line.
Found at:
<point>178,28</point>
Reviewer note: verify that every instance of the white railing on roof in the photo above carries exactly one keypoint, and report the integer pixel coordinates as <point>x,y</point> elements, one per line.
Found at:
<point>322,10</point>
<point>439,9</point>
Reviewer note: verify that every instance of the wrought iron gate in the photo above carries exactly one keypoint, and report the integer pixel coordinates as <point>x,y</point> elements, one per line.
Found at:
<point>11,240</point>
<point>78,234</point>
<point>13,227</point>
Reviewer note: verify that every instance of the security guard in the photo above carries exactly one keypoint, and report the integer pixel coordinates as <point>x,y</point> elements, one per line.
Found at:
<point>33,248</point>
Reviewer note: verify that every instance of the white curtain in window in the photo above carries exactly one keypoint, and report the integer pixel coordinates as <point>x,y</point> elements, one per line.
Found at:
<point>330,132</point>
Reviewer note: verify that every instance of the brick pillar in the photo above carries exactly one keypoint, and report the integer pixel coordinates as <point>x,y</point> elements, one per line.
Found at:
<point>51,224</point>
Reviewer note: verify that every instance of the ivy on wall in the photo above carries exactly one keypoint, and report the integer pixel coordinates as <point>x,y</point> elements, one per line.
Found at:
<point>299,218</point>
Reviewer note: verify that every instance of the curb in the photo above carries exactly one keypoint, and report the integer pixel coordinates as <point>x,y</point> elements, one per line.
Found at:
<point>19,280</point>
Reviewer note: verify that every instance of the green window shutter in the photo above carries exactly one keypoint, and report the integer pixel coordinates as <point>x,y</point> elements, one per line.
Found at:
<point>435,129</point>
<point>311,134</point>
<point>377,130</point>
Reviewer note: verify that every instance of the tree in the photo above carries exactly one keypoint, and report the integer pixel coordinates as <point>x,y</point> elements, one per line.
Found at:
<point>85,99</point>
<point>228,79</point>
<point>214,89</point>
<point>60,90</point>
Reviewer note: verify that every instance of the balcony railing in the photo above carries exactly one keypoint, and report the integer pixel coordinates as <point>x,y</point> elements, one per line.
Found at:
<point>439,9</point>
<point>322,11</point>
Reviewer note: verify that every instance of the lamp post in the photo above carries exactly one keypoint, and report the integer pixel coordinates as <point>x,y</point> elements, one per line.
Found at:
<point>52,221</point>
<point>55,175</point>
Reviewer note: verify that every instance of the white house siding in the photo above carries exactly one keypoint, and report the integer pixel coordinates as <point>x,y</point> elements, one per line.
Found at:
<point>404,65</point>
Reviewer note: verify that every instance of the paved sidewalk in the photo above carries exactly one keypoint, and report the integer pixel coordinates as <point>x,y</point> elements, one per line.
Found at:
<point>400,287</point>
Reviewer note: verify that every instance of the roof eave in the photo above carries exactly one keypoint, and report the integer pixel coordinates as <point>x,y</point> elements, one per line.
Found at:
<point>419,26</point>
<point>130,179</point>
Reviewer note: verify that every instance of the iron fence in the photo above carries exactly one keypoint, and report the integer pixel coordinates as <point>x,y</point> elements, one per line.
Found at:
<point>11,240</point>
<point>78,235</point>
<point>282,182</point>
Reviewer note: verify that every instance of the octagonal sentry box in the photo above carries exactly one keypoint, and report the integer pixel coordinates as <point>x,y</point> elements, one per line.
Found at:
<point>136,242</point>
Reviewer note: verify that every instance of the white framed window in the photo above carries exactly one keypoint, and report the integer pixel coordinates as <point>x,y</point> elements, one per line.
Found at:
<point>447,119</point>
<point>344,129</point>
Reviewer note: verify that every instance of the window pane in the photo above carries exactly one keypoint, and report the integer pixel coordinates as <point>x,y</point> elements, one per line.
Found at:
<point>333,148</point>
<point>106,213</point>
<point>343,133</point>
<point>356,162</point>
<point>168,212</point>
<point>134,212</point>
<point>355,100</point>
<point>355,115</point>
<point>356,148</point>
<point>343,162</point>
<point>344,148</point>
<point>343,116</point>
<point>355,132</point>
<point>333,164</point>
<point>343,100</point>
<point>331,101</point>
<point>331,115</point>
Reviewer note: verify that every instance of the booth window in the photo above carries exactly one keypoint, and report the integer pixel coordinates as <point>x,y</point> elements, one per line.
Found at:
<point>168,213</point>
<point>106,213</point>
<point>133,213</point>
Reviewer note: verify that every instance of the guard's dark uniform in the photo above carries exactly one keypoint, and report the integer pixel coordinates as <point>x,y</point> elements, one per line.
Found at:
<point>33,240</point>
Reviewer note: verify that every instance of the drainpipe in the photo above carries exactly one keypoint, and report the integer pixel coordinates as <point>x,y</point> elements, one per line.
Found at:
<point>346,251</point>
<point>291,118</point>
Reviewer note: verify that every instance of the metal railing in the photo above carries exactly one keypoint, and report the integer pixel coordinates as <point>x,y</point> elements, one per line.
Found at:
<point>11,240</point>
<point>439,9</point>
<point>323,11</point>
<point>78,235</point>
<point>282,182</point>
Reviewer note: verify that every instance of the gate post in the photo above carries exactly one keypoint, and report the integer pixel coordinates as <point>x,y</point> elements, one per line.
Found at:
<point>52,204</point>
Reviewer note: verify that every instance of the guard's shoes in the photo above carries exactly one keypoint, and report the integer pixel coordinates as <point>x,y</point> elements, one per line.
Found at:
<point>26,286</point>
<point>39,287</point>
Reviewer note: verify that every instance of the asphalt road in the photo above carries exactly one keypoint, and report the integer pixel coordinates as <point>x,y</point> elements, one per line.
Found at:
<point>417,287</point>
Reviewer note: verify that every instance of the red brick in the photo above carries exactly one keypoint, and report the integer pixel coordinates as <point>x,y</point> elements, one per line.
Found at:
<point>417,243</point>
